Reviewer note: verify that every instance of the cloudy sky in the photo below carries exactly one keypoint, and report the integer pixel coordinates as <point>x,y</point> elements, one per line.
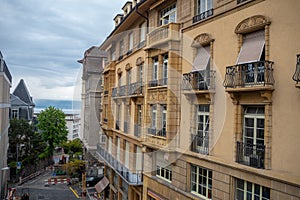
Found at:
<point>41,40</point>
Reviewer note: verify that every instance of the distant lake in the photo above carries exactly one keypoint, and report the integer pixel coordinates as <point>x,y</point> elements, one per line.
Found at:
<point>68,106</point>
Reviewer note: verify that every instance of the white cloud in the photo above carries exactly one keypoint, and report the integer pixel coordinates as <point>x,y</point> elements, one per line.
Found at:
<point>42,40</point>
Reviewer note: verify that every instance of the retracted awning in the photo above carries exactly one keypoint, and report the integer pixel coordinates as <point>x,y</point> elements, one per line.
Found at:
<point>252,48</point>
<point>101,185</point>
<point>202,58</point>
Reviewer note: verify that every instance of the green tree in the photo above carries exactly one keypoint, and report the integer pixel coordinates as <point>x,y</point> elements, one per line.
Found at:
<point>74,146</point>
<point>52,124</point>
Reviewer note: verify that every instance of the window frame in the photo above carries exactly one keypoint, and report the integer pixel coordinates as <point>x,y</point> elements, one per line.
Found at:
<point>155,69</point>
<point>206,185</point>
<point>166,13</point>
<point>161,172</point>
<point>205,114</point>
<point>130,41</point>
<point>208,6</point>
<point>245,190</point>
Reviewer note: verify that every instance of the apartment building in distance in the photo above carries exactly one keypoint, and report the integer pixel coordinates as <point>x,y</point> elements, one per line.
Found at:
<point>200,101</point>
<point>73,125</point>
<point>5,85</point>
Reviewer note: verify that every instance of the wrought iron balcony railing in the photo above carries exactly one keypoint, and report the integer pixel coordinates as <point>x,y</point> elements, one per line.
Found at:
<point>296,76</point>
<point>137,130</point>
<point>153,83</point>
<point>114,92</point>
<point>249,74</point>
<point>250,154</point>
<point>199,80</point>
<point>160,82</point>
<point>200,144</point>
<point>136,88</point>
<point>203,15</point>
<point>123,90</point>
<point>132,177</point>
<point>155,132</point>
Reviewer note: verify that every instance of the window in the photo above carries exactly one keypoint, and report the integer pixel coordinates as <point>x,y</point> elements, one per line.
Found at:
<point>121,48</point>
<point>127,152</point>
<point>143,32</point>
<point>130,41</point>
<point>163,167</point>
<point>163,130</point>
<point>200,139</point>
<point>128,77</point>
<point>140,73</point>
<point>251,150</point>
<point>204,5</point>
<point>155,69</point>
<point>153,116</point>
<point>165,69</point>
<point>118,148</point>
<point>168,15</point>
<point>15,114</point>
<point>113,54</point>
<point>245,190</point>
<point>109,145</point>
<point>139,115</point>
<point>201,182</point>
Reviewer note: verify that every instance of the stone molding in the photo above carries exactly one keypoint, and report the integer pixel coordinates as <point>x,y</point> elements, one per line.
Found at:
<point>202,40</point>
<point>251,24</point>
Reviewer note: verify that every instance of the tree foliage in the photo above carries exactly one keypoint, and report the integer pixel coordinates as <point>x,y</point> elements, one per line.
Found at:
<point>72,147</point>
<point>52,124</point>
<point>75,168</point>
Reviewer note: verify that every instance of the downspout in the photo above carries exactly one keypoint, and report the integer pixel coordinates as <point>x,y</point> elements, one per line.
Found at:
<point>145,17</point>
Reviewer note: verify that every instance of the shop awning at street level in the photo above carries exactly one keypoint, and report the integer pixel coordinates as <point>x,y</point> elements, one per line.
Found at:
<point>101,185</point>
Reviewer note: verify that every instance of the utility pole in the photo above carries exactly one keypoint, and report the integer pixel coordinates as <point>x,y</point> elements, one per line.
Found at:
<point>83,184</point>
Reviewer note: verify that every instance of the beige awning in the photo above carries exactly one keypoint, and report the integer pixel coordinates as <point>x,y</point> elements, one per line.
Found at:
<point>101,185</point>
<point>202,58</point>
<point>252,48</point>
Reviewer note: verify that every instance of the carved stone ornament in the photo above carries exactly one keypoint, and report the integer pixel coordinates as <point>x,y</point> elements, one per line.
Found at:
<point>202,40</point>
<point>153,97</point>
<point>139,61</point>
<point>128,66</point>
<point>252,24</point>
<point>119,71</point>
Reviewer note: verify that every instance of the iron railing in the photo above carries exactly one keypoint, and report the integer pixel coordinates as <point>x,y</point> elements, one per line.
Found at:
<point>296,76</point>
<point>199,80</point>
<point>123,90</point>
<point>160,82</point>
<point>203,15</point>
<point>132,177</point>
<point>155,132</point>
<point>137,130</point>
<point>136,88</point>
<point>114,92</point>
<point>258,73</point>
<point>250,154</point>
<point>153,83</point>
<point>200,144</point>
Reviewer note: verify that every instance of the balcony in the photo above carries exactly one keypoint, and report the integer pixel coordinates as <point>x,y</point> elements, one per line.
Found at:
<point>203,15</point>
<point>136,88</point>
<point>296,76</point>
<point>199,81</point>
<point>250,154</point>
<point>200,144</point>
<point>123,91</point>
<point>249,76</point>
<point>132,177</point>
<point>137,130</point>
<point>156,83</point>
<point>155,132</point>
<point>163,34</point>
<point>114,92</point>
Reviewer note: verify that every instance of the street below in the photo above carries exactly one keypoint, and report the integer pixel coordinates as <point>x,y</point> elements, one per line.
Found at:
<point>38,189</point>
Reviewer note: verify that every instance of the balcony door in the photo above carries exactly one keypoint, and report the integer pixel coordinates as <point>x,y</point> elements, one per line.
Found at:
<point>253,133</point>
<point>200,143</point>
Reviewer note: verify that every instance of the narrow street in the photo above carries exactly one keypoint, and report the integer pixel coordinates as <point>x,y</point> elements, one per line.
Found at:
<point>38,191</point>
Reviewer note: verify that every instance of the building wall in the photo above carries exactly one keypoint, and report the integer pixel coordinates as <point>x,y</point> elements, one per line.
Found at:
<point>5,84</point>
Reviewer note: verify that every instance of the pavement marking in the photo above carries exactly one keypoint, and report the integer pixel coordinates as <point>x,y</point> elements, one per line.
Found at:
<point>75,192</point>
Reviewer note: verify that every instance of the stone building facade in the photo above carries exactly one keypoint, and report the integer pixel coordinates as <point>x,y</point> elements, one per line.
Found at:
<point>200,101</point>
<point>5,85</point>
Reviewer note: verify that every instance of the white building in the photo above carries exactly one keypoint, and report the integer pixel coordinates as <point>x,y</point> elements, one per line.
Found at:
<point>73,124</point>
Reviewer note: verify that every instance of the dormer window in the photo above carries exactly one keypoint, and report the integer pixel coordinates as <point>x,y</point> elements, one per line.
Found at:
<point>168,15</point>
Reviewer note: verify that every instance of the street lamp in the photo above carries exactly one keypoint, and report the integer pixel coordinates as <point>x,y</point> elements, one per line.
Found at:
<point>3,189</point>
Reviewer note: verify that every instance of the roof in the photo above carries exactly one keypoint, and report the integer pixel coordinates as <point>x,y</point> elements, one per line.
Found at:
<point>16,101</point>
<point>22,92</point>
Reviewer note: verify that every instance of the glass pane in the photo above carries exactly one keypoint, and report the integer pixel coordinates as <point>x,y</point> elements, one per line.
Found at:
<point>249,122</point>
<point>249,187</point>
<point>240,184</point>
<point>249,196</point>
<point>249,132</point>
<point>266,192</point>
<point>257,189</point>
<point>260,123</point>
<point>239,195</point>
<point>260,133</point>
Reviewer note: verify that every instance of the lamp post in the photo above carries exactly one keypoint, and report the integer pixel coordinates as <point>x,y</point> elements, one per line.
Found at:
<point>3,189</point>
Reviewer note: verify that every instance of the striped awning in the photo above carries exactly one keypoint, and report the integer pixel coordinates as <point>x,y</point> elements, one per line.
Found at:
<point>252,48</point>
<point>101,185</point>
<point>202,58</point>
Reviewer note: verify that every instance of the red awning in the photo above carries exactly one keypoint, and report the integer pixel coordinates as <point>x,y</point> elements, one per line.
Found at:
<point>101,185</point>
<point>252,48</point>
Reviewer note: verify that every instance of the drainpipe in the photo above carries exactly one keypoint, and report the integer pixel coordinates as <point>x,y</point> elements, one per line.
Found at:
<point>145,17</point>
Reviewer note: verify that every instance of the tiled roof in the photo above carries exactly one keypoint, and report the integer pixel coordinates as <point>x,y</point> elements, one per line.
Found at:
<point>22,92</point>
<point>16,101</point>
